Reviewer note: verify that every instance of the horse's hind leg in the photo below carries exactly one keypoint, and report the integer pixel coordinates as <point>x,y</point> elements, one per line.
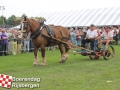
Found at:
<point>36,60</point>
<point>43,55</point>
<point>61,47</point>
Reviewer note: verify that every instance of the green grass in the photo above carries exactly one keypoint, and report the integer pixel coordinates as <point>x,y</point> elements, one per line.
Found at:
<point>78,73</point>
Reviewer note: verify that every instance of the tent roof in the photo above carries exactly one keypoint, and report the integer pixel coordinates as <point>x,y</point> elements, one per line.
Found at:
<point>102,16</point>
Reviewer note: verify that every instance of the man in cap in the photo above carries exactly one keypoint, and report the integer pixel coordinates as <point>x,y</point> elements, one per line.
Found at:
<point>90,36</point>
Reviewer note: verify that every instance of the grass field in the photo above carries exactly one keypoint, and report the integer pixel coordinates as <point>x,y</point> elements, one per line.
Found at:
<point>78,73</point>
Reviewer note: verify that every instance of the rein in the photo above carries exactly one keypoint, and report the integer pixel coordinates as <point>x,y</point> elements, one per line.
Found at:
<point>38,31</point>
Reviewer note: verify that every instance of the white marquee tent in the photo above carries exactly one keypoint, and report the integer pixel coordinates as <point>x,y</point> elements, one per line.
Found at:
<point>98,17</point>
<point>17,26</point>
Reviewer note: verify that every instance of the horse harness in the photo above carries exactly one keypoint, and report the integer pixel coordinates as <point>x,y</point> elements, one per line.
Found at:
<point>49,31</point>
<point>38,31</point>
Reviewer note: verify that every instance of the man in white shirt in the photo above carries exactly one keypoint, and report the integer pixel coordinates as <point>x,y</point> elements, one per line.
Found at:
<point>107,35</point>
<point>90,37</point>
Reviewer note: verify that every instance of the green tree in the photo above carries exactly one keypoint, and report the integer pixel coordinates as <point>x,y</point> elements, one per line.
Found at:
<point>17,21</point>
<point>42,18</point>
<point>24,15</point>
<point>5,20</point>
<point>1,20</point>
<point>11,20</point>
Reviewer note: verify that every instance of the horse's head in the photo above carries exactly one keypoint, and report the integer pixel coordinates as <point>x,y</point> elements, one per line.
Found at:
<point>30,25</point>
<point>25,25</point>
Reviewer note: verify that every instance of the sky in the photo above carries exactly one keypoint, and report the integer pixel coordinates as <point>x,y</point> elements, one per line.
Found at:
<point>33,8</point>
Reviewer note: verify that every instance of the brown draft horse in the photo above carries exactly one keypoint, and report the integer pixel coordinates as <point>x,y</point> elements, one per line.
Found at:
<point>40,41</point>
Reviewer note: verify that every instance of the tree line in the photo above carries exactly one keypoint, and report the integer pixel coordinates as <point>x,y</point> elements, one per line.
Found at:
<point>13,20</point>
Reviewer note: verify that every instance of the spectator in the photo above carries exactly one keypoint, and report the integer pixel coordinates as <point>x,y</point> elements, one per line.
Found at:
<point>78,37</point>
<point>7,34</point>
<point>112,29</point>
<point>3,42</point>
<point>19,42</point>
<point>31,46</point>
<point>0,41</point>
<point>102,29</point>
<point>13,39</point>
<point>26,42</point>
<point>119,32</point>
<point>115,34</point>
<point>9,41</point>
<point>72,36</point>
<point>84,31</point>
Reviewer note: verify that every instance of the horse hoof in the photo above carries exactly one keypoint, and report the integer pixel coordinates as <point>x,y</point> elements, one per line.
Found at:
<point>60,61</point>
<point>43,64</point>
<point>35,64</point>
<point>63,61</point>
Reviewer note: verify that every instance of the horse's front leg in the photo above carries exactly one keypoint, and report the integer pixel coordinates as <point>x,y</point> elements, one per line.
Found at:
<point>43,55</point>
<point>36,60</point>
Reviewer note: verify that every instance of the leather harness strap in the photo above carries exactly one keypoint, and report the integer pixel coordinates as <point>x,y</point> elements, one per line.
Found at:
<point>50,31</point>
<point>63,37</point>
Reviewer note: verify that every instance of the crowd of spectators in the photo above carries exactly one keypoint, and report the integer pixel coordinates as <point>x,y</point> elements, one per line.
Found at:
<point>14,42</point>
<point>77,34</point>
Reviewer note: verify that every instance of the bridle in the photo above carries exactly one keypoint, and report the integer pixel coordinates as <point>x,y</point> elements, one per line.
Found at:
<point>25,25</point>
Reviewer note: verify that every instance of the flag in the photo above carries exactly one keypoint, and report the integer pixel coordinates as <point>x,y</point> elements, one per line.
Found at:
<point>5,81</point>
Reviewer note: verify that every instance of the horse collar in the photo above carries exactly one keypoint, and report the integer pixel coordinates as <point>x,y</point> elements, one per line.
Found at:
<point>38,31</point>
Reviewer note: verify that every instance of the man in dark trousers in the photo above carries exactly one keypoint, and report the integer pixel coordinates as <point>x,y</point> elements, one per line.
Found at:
<point>90,37</point>
<point>3,42</point>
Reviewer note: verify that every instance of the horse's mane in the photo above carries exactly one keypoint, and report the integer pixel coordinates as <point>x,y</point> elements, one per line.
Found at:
<point>35,20</point>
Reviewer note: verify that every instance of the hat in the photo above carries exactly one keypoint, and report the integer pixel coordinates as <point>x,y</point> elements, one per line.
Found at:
<point>92,25</point>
